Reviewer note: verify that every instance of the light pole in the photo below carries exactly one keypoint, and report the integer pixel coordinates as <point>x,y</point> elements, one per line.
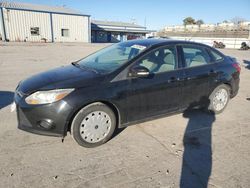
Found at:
<point>248,31</point>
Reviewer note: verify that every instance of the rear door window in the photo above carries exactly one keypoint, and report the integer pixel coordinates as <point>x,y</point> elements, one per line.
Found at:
<point>216,56</point>
<point>195,56</point>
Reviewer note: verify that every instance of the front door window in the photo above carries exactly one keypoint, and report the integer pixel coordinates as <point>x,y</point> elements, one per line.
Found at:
<point>160,60</point>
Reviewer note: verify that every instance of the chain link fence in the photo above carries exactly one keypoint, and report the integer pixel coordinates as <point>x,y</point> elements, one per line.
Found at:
<point>232,39</point>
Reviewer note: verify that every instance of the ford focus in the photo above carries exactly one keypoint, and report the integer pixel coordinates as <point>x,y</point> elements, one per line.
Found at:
<point>123,84</point>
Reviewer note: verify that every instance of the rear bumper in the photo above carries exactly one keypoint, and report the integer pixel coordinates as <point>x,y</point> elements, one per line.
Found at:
<point>49,119</point>
<point>235,87</point>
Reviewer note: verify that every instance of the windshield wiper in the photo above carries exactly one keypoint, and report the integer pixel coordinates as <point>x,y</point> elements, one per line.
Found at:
<point>89,69</point>
<point>75,64</point>
<point>84,67</point>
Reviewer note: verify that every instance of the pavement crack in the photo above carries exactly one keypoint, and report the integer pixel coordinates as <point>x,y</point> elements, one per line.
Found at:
<point>101,175</point>
<point>156,139</point>
<point>137,179</point>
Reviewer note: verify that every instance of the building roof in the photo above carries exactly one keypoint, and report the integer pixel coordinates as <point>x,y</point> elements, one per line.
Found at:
<point>117,24</point>
<point>98,25</point>
<point>39,8</point>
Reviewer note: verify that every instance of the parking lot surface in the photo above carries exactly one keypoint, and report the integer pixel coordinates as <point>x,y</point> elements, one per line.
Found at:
<point>193,147</point>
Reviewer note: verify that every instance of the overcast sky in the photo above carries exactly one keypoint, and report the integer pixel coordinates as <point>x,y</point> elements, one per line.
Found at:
<point>156,13</point>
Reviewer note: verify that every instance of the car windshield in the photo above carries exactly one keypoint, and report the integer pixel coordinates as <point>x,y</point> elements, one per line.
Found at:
<point>111,58</point>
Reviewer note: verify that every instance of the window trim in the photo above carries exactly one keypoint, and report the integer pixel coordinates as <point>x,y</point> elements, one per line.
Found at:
<point>209,50</point>
<point>63,29</point>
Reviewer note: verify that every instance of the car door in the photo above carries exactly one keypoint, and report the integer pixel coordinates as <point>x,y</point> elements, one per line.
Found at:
<point>199,71</point>
<point>158,93</point>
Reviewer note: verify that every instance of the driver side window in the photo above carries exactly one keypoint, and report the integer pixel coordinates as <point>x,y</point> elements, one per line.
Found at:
<point>160,60</point>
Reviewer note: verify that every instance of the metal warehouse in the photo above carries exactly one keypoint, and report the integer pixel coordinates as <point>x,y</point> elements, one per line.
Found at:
<point>109,31</point>
<point>37,23</point>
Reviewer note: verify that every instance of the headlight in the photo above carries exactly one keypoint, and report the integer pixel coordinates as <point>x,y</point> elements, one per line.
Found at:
<point>46,97</point>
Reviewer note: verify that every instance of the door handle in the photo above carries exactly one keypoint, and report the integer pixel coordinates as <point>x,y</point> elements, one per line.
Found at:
<point>173,79</point>
<point>212,72</point>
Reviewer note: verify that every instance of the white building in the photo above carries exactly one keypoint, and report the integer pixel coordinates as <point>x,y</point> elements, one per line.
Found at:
<point>169,28</point>
<point>38,23</point>
<point>179,28</point>
<point>227,26</point>
<point>207,27</point>
<point>245,25</point>
<point>193,28</point>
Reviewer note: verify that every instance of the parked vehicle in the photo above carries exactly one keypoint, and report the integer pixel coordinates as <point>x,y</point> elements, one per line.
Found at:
<point>244,46</point>
<point>219,45</point>
<point>157,37</point>
<point>124,84</point>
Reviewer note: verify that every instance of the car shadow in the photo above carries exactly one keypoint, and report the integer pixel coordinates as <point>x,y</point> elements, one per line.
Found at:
<point>117,132</point>
<point>6,98</point>
<point>247,64</point>
<point>197,155</point>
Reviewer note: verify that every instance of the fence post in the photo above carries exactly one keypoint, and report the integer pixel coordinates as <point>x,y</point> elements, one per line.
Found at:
<point>249,31</point>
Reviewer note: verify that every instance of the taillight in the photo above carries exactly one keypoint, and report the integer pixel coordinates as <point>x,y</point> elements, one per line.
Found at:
<point>237,67</point>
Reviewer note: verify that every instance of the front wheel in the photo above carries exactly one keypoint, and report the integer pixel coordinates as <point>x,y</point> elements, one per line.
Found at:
<point>219,99</point>
<point>93,125</point>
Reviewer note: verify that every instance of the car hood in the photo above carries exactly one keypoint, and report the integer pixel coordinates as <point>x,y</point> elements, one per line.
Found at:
<point>59,78</point>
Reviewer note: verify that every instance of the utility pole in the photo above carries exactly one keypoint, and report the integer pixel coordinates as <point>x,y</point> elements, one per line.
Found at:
<point>248,31</point>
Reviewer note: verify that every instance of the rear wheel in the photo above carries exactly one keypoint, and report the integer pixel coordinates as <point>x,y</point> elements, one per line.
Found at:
<point>93,125</point>
<point>219,99</point>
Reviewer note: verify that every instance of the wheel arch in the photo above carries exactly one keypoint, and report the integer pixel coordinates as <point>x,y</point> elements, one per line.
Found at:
<point>229,85</point>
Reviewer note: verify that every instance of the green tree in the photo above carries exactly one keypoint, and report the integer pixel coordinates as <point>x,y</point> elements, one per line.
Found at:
<point>199,22</point>
<point>189,21</point>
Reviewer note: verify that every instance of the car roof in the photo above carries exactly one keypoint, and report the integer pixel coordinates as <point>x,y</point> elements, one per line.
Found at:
<point>152,42</point>
<point>146,42</point>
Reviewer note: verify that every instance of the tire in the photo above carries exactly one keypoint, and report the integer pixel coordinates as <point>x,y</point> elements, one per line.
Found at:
<point>219,99</point>
<point>93,125</point>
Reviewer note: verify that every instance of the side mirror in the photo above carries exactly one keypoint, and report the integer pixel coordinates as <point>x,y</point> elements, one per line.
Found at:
<point>139,71</point>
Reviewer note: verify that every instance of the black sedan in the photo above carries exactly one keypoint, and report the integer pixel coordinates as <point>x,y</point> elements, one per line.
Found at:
<point>124,84</point>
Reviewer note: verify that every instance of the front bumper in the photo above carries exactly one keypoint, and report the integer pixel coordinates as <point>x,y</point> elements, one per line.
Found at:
<point>49,119</point>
